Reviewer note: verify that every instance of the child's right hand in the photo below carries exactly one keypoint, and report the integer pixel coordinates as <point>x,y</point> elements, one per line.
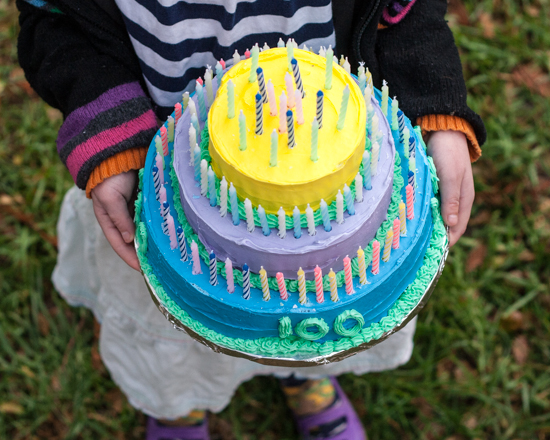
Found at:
<point>112,200</point>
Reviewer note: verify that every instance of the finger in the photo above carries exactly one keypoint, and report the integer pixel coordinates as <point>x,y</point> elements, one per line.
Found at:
<point>450,199</point>
<point>467,195</point>
<point>117,209</point>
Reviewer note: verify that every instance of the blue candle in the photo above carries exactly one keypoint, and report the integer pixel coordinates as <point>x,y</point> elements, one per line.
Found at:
<point>259,115</point>
<point>401,124</point>
<point>274,147</point>
<point>234,204</point>
<point>319,111</point>
<point>212,187</point>
<point>156,180</point>
<point>213,266</point>
<point>195,122</point>
<point>290,128</point>
<point>297,77</point>
<point>261,84</point>
<point>412,147</point>
<point>181,244</point>
<point>246,281</point>
<point>197,162</point>
<point>349,200</point>
<point>200,99</point>
<point>325,216</point>
<point>297,220</point>
<point>219,72</point>
<point>367,171</point>
<point>263,220</point>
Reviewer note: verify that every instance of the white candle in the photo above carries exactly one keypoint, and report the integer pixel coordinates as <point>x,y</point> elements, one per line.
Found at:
<point>347,66</point>
<point>223,197</point>
<point>282,222</point>
<point>192,108</point>
<point>192,140</point>
<point>374,158</point>
<point>249,215</point>
<point>236,57</point>
<point>229,275</point>
<point>358,188</point>
<point>339,208</point>
<point>310,221</point>
<point>208,84</point>
<point>289,90</point>
<point>374,127</point>
<point>271,98</point>
<point>204,177</point>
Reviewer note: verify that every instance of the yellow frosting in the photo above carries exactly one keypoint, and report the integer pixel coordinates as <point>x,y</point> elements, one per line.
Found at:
<point>296,180</point>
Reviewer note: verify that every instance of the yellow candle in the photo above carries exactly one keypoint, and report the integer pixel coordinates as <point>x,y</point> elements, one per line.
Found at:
<point>402,218</point>
<point>387,246</point>
<point>333,286</point>
<point>265,285</point>
<point>362,266</point>
<point>302,286</point>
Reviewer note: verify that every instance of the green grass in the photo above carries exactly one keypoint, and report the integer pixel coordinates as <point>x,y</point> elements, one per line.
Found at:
<point>481,365</point>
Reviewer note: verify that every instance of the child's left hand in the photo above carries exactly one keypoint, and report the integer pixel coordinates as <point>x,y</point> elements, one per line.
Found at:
<point>449,150</point>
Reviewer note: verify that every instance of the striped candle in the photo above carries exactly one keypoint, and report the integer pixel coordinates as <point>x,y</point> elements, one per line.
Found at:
<point>290,128</point>
<point>212,187</point>
<point>208,86</point>
<point>394,108</point>
<point>250,226</point>
<point>171,231</point>
<point>263,220</point>
<point>375,257</point>
<point>204,178</point>
<point>319,108</point>
<point>343,109</point>
<point>396,233</point>
<point>162,194</point>
<point>196,259</point>
<point>325,216</point>
<point>387,246</point>
<point>289,85</point>
<point>156,181</point>
<point>362,81</point>
<point>195,124</point>
<point>165,210</point>
<point>181,244</point>
<point>234,204</point>
<point>242,131</point>
<point>333,286</point>
<point>282,113</point>
<point>310,221</point>
<point>178,111</point>
<point>159,161</point>
<point>362,266</point>
<point>374,158</point>
<point>400,124</point>
<point>328,70</point>
<point>302,287</point>
<point>348,276</point>
<point>412,147</point>
<point>297,77</point>
<point>219,72</point>
<point>185,100</point>
<point>339,208</point>
<point>274,147</point>
<point>197,162</point>
<point>200,99</point>
<point>261,84</point>
<point>259,115</point>
<point>410,179</point>
<point>230,99</point>
<point>213,269</point>
<point>349,200</point>
<point>367,171</point>
<point>358,188</point>
<point>192,142</point>
<point>374,127</point>
<point>223,197</point>
<point>254,66</point>
<point>299,108</point>
<point>271,98</point>
<point>320,296</point>
<point>410,202</point>
<point>265,285</point>
<point>402,218</point>
<point>314,155</point>
<point>282,222</point>
<point>164,140</point>
<point>297,220</point>
<point>229,275</point>
<point>246,281</point>
<point>282,286</point>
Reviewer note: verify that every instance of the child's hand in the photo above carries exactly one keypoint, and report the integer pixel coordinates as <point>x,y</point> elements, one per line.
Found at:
<point>449,150</point>
<point>112,199</point>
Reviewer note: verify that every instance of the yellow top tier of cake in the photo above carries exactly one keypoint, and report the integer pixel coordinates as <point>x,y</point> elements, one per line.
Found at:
<point>296,180</point>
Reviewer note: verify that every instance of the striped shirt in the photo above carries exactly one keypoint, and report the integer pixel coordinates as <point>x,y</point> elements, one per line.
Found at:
<point>174,40</point>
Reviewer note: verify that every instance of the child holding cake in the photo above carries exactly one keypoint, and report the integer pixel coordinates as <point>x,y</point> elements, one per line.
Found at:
<point>112,68</point>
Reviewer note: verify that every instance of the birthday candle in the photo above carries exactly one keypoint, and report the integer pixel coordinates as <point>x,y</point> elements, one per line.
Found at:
<point>405,142</point>
<point>339,208</point>
<point>229,275</point>
<point>195,123</point>
<point>192,106</point>
<point>374,127</point>
<point>242,131</point>
<point>289,52</point>
<point>412,147</point>
<point>200,99</point>
<point>280,43</point>
<point>234,204</point>
<point>394,108</point>
<point>289,90</point>
<point>290,129</point>
<point>347,275</point>
<point>385,93</point>
<point>246,54</point>
<point>411,175</point>
<point>319,109</point>
<point>165,210</point>
<point>282,286</point>
<point>261,84</point>
<point>171,231</point>
<point>333,286</point>
<point>266,47</point>
<point>299,109</point>
<point>246,281</point>
<point>263,220</point>
<point>204,177</point>
<point>396,229</point>
<point>402,218</point>
<point>178,111</point>
<point>367,171</point>
<point>223,197</point>
<point>170,123</point>
<point>322,51</point>
<point>185,100</point>
<point>250,226</point>
<point>325,216</point>
<point>197,162</point>
<point>164,140</point>
<point>302,286</point>
<point>362,81</point>
<point>196,259</point>
<point>230,99</point>
<point>200,81</point>
<point>181,243</point>
<point>162,194</point>
<point>259,115</point>
<point>255,53</point>
<point>159,149</point>
<point>349,200</point>
<point>376,257</point>
<point>328,70</point>
<point>274,147</point>
<point>212,187</point>
<point>208,86</point>
<point>282,113</point>
<point>219,72</point>
<point>320,296</point>
<point>374,158</point>
<point>192,140</point>
<point>213,269</point>
<point>156,181</point>
<point>236,57</point>
<point>282,222</point>
<point>362,266</point>
<point>271,98</point>
<point>401,124</point>
<point>314,156</point>
<point>343,109</point>
<point>297,219</point>
<point>347,66</point>
<point>369,78</point>
<point>265,285</point>
<point>310,221</point>
<point>410,202</point>
<point>297,77</point>
<point>358,188</point>
<point>387,246</point>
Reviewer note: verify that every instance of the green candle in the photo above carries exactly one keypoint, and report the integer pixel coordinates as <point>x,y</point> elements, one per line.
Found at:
<point>274,145</point>
<point>255,52</point>
<point>242,131</point>
<point>328,71</point>
<point>230,99</point>
<point>385,93</point>
<point>394,108</point>
<point>314,140</point>
<point>343,109</point>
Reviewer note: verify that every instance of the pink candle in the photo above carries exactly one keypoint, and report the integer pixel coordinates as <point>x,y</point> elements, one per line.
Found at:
<point>410,202</point>
<point>200,81</point>
<point>289,90</point>
<point>222,62</point>
<point>196,259</point>
<point>347,275</point>
<point>164,139</point>
<point>282,113</point>
<point>246,54</point>
<point>159,164</point>
<point>271,99</point>
<point>162,195</point>
<point>171,231</point>
<point>319,284</point>
<point>178,111</point>
<point>299,110</point>
<point>396,234</point>
<point>376,257</point>
<point>282,286</point>
<point>229,275</point>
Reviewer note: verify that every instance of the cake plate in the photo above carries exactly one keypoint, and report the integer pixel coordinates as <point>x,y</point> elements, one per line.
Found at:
<point>300,361</point>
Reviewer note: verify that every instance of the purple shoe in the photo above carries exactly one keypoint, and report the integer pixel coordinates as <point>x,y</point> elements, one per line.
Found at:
<point>156,431</point>
<point>342,409</point>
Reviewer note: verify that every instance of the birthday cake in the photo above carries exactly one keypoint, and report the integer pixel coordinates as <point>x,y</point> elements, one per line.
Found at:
<point>288,209</point>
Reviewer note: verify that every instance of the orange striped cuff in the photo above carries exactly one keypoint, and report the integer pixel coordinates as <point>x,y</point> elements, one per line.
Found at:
<point>446,122</point>
<point>131,159</point>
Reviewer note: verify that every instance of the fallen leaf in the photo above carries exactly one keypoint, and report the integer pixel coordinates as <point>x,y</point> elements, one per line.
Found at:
<point>520,349</point>
<point>43,325</point>
<point>526,256</point>
<point>476,257</point>
<point>488,25</point>
<point>11,408</point>
<point>470,421</point>
<point>532,77</point>
<point>512,322</point>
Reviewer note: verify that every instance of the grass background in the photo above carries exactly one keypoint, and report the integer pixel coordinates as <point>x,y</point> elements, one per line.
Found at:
<point>480,368</point>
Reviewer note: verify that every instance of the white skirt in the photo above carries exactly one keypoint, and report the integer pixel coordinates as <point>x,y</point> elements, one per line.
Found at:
<point>162,371</point>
